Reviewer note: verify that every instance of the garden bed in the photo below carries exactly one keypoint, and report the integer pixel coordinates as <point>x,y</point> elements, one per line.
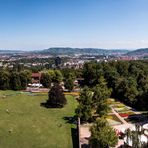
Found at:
<point>122,110</point>
<point>113,120</point>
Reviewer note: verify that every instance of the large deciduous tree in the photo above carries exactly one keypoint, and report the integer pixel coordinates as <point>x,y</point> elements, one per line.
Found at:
<point>52,74</point>
<point>69,84</point>
<point>15,82</point>
<point>91,72</point>
<point>58,77</point>
<point>69,77</point>
<point>45,80</point>
<point>68,73</point>
<point>4,80</point>
<point>131,91</point>
<point>94,101</point>
<point>127,90</point>
<point>25,78</point>
<point>56,97</point>
<point>101,94</point>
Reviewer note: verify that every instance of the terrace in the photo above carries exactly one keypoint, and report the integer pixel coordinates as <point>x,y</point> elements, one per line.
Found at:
<point>120,117</point>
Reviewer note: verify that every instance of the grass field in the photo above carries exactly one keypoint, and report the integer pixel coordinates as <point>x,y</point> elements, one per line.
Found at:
<point>26,124</point>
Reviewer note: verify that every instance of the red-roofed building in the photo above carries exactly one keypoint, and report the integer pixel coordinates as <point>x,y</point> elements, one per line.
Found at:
<point>36,77</point>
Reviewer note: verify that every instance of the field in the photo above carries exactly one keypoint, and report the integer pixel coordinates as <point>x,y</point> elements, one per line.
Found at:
<point>25,123</point>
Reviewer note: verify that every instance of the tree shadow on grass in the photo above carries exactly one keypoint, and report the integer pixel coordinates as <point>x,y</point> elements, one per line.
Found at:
<point>70,120</point>
<point>74,135</point>
<point>74,131</point>
<point>47,105</point>
<point>44,104</point>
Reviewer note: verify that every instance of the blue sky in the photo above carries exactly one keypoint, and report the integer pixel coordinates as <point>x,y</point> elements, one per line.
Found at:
<point>40,24</point>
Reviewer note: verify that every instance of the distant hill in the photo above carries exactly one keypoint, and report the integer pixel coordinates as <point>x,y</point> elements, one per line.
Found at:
<point>5,52</point>
<point>68,51</point>
<point>83,51</point>
<point>138,52</point>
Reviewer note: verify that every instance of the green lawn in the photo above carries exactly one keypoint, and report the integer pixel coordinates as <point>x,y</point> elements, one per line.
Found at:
<point>26,124</point>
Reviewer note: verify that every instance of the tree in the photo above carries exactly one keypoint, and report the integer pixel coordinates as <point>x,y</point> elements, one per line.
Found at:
<point>78,73</point>
<point>128,80</point>
<point>45,80</point>
<point>120,88</point>
<point>122,68</point>
<point>25,78</point>
<point>84,110</point>
<point>4,80</point>
<point>131,91</point>
<point>69,84</point>
<point>101,94</point>
<point>28,75</point>
<point>134,138</point>
<point>94,101</point>
<point>68,73</point>
<point>91,72</point>
<point>111,75</point>
<point>52,74</point>
<point>69,77</point>
<point>126,89</point>
<point>142,81</point>
<point>57,61</point>
<point>56,97</point>
<point>136,68</point>
<point>58,76</point>
<point>102,135</point>
<point>15,82</point>
<point>142,101</point>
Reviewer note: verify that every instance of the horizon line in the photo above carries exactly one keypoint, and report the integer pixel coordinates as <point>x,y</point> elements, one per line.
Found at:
<point>73,48</point>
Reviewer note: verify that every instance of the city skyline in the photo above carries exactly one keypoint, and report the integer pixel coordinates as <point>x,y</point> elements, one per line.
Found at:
<point>107,24</point>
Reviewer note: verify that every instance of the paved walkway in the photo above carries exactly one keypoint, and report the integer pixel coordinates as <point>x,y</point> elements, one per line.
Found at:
<point>125,125</point>
<point>119,117</point>
<point>84,134</point>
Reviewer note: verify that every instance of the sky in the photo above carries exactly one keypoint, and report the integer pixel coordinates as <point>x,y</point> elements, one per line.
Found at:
<point>40,24</point>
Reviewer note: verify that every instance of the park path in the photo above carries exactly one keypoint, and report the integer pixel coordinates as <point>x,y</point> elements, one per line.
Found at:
<point>123,126</point>
<point>119,117</point>
<point>85,132</point>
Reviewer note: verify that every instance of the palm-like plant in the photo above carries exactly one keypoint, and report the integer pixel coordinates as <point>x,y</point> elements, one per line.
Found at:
<point>133,138</point>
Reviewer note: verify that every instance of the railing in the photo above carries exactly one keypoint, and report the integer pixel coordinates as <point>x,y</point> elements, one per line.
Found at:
<point>78,128</point>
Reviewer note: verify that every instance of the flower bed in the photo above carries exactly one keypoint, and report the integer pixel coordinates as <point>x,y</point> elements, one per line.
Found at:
<point>127,114</point>
<point>119,106</point>
<point>72,93</point>
<point>110,101</point>
<point>124,115</point>
<point>122,110</point>
<point>130,113</point>
<point>113,120</point>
